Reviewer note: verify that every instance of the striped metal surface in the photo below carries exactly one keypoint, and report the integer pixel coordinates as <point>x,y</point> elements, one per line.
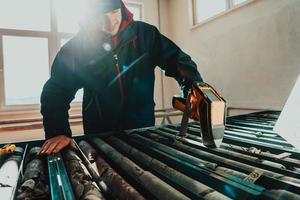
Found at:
<point>253,162</point>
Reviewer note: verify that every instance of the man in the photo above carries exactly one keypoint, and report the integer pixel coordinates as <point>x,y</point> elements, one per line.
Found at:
<point>113,58</point>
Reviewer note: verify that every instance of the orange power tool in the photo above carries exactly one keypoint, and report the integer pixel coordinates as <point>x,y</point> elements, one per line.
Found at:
<point>208,108</point>
<point>7,149</point>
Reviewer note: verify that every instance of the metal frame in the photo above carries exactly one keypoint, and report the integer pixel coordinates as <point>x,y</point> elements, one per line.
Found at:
<point>59,180</point>
<point>245,177</point>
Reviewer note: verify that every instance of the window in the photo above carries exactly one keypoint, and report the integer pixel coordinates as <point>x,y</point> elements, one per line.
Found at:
<point>205,10</point>
<point>29,42</point>
<point>20,85</point>
<point>69,23</point>
<point>136,10</point>
<point>31,14</point>
<point>237,2</point>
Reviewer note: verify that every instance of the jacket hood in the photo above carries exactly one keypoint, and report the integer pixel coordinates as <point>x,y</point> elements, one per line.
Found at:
<point>127,19</point>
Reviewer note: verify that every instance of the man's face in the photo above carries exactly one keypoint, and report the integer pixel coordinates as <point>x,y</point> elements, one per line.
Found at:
<point>110,22</point>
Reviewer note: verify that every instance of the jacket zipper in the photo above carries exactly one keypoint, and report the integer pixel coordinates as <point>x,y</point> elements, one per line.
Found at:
<point>121,88</point>
<point>120,80</point>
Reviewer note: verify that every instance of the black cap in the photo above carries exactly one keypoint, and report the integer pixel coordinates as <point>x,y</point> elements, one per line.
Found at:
<point>101,7</point>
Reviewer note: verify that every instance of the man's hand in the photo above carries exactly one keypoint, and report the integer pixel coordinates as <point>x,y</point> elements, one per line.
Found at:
<point>56,144</point>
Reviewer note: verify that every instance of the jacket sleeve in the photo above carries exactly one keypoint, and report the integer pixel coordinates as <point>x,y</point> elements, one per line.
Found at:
<point>57,94</point>
<point>177,64</point>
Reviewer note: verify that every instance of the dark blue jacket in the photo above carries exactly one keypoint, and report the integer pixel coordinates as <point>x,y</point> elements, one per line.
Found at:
<point>127,102</point>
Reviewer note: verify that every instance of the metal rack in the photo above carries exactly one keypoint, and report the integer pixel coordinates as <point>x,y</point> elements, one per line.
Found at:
<point>253,162</point>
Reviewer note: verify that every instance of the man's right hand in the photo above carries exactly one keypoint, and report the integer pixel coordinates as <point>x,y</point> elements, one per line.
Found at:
<point>56,144</point>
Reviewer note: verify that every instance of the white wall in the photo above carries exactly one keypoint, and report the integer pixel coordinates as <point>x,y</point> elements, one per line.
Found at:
<point>150,13</point>
<point>156,12</point>
<point>251,55</point>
